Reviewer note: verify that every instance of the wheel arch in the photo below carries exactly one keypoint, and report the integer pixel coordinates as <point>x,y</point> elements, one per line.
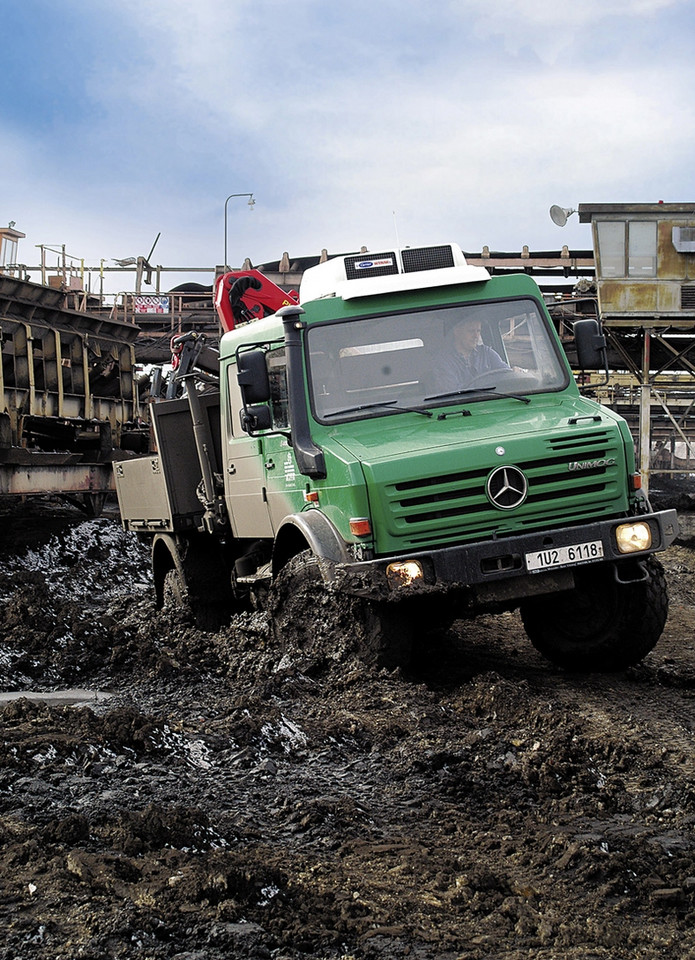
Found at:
<point>311,530</point>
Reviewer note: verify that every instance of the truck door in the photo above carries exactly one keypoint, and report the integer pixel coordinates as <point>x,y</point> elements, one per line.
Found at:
<point>246,489</point>
<point>262,484</point>
<point>244,481</point>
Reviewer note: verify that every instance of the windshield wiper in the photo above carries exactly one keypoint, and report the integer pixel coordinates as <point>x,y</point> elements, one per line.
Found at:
<point>458,393</point>
<point>378,403</point>
<point>470,390</point>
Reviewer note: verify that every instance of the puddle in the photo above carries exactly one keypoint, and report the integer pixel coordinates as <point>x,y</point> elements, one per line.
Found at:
<point>70,697</point>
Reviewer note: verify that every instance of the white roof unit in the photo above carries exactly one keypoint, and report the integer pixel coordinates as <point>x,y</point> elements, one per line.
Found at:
<point>369,274</point>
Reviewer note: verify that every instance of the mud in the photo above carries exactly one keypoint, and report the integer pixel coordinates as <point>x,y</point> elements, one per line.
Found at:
<point>231,799</point>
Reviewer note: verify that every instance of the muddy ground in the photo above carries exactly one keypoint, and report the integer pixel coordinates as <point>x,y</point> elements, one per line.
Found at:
<point>229,802</point>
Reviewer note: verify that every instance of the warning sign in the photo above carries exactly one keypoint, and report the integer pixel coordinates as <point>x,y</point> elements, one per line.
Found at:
<point>151,304</point>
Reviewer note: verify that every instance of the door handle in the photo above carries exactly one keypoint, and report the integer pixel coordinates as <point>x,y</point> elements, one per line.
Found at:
<point>269,465</point>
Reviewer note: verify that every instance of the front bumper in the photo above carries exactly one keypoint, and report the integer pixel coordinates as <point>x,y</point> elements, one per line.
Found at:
<point>496,570</point>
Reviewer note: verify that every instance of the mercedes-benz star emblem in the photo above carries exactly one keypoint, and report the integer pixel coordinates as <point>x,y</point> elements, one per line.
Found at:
<point>507,488</point>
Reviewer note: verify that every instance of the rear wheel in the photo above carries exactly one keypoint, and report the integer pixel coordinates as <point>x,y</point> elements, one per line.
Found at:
<point>174,592</point>
<point>601,625</point>
<point>196,581</point>
<point>311,619</point>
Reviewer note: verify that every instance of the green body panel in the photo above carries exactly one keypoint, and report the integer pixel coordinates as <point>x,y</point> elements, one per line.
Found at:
<point>342,496</point>
<point>266,330</point>
<point>426,478</point>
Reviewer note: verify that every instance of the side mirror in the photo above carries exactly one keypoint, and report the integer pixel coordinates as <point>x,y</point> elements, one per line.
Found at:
<point>252,375</point>
<point>256,417</point>
<point>591,345</point>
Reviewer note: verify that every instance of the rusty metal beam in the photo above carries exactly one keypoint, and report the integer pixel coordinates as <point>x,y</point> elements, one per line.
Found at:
<point>72,478</point>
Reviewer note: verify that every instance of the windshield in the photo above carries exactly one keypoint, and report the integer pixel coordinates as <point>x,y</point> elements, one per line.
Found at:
<point>373,366</point>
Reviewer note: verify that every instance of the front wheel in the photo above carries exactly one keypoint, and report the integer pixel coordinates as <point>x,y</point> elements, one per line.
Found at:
<point>603,624</point>
<point>312,620</point>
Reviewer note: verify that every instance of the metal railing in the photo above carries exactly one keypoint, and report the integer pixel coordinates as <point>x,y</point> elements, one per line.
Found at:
<point>176,312</point>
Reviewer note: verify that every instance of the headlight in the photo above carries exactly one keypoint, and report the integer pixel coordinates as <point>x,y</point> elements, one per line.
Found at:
<point>403,573</point>
<point>633,537</point>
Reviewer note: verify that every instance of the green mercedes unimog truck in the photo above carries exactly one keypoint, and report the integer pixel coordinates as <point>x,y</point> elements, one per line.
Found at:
<point>409,440</point>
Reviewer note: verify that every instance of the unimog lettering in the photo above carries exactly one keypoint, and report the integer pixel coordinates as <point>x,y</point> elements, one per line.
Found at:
<point>592,464</point>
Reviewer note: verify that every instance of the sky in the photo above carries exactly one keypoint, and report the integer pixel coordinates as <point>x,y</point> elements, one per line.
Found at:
<point>361,122</point>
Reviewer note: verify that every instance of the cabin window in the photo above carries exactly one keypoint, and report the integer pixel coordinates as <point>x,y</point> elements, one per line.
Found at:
<point>8,252</point>
<point>627,249</point>
<point>641,248</point>
<point>277,374</point>
<point>611,247</point>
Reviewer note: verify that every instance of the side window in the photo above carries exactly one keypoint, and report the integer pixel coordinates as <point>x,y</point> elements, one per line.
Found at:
<point>277,374</point>
<point>641,247</point>
<point>611,245</point>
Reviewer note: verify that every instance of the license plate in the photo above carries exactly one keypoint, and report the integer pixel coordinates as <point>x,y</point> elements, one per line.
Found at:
<point>564,556</point>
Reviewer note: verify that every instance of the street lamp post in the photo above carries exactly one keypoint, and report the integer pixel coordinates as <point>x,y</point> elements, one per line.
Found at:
<point>231,197</point>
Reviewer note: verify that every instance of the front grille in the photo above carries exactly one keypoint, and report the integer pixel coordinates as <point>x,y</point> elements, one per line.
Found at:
<point>454,507</point>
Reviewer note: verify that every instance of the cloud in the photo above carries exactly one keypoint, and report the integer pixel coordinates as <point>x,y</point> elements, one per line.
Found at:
<point>551,29</point>
<point>468,121</point>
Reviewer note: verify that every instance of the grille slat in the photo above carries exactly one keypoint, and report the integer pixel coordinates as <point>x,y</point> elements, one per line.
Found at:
<point>455,507</point>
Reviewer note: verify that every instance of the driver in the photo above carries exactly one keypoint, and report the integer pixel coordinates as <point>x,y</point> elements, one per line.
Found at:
<point>469,358</point>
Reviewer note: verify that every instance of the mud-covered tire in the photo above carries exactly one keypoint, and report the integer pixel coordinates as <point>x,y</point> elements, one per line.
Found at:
<point>196,585</point>
<point>388,634</point>
<point>312,620</point>
<point>177,602</point>
<point>174,592</point>
<point>601,625</point>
